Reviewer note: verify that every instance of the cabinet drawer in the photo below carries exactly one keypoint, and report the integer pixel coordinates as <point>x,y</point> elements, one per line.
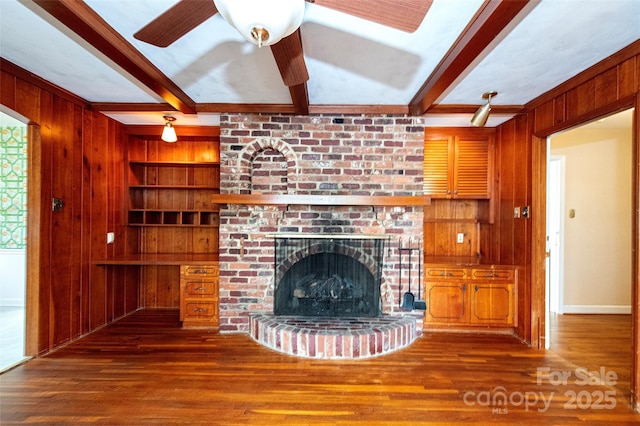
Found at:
<point>200,288</point>
<point>493,274</point>
<point>201,310</point>
<point>444,272</point>
<point>199,270</point>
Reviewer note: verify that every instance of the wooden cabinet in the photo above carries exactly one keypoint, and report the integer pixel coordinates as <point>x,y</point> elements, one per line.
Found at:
<point>470,296</point>
<point>172,193</point>
<point>199,296</point>
<point>458,163</point>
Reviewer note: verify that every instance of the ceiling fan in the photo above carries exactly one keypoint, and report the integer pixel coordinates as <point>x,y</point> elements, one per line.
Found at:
<point>405,15</point>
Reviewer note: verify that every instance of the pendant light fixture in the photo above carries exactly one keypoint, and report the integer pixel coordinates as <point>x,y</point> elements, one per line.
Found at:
<point>168,132</point>
<point>262,22</point>
<point>479,119</point>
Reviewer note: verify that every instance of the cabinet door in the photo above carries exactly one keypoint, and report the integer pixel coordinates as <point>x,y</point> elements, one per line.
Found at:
<point>472,168</point>
<point>446,302</point>
<point>492,303</point>
<point>438,163</point>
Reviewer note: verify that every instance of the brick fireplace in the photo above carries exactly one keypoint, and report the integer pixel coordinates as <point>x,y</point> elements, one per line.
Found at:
<point>312,155</point>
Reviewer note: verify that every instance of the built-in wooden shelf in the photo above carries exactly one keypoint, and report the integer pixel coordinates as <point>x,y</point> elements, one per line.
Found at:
<point>175,163</point>
<point>450,220</point>
<point>322,200</point>
<point>161,259</point>
<point>142,217</point>
<point>172,193</point>
<point>173,187</point>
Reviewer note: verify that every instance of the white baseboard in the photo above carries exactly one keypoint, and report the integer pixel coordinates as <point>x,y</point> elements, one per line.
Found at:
<point>17,303</point>
<point>596,309</point>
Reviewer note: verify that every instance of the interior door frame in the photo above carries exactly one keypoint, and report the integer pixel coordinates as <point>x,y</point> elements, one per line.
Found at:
<point>538,231</point>
<point>555,256</point>
<point>34,261</point>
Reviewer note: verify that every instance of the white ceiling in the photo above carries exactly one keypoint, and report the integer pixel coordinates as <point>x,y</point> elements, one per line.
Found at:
<point>350,61</point>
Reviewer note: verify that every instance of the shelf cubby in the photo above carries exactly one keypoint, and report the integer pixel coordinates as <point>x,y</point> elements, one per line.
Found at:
<point>172,193</point>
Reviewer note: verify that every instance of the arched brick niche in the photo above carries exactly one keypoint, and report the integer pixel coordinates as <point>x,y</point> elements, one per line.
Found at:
<point>266,165</point>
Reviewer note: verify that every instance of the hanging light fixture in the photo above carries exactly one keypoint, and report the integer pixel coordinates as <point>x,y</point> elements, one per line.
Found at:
<point>479,119</point>
<point>168,132</point>
<point>262,22</point>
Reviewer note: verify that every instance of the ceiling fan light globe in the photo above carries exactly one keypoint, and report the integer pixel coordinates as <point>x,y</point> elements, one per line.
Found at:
<point>278,18</point>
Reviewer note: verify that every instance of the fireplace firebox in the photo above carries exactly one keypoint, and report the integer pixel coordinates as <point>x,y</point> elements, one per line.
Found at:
<point>328,276</point>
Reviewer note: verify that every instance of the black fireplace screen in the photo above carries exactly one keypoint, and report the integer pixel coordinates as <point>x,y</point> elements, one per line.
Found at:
<point>330,277</point>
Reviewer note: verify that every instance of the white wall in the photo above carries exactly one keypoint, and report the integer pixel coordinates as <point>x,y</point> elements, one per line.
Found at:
<point>12,277</point>
<point>597,241</point>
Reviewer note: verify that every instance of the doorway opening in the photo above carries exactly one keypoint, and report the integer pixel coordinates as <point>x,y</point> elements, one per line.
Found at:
<point>13,240</point>
<point>589,245</point>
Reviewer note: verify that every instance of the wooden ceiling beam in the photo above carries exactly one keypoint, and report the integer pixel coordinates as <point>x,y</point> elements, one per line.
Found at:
<point>300,98</point>
<point>470,109</point>
<point>129,107</point>
<point>87,24</point>
<point>493,17</point>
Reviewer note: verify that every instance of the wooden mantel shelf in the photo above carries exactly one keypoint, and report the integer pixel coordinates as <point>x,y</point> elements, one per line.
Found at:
<point>322,200</point>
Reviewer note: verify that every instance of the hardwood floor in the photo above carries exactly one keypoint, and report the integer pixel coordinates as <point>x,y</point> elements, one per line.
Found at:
<point>594,342</point>
<point>144,369</point>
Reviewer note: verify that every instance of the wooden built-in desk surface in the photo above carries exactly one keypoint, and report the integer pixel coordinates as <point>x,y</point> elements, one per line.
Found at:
<point>161,259</point>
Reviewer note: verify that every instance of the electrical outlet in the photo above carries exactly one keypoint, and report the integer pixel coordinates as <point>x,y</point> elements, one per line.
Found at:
<point>111,237</point>
<point>516,212</point>
<point>460,238</point>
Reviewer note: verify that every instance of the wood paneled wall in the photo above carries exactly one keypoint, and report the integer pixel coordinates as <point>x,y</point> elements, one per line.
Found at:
<point>79,154</point>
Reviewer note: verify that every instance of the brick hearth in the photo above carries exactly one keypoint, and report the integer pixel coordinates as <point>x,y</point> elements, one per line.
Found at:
<point>333,338</point>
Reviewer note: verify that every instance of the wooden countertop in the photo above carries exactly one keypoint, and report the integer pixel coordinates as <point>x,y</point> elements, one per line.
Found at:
<point>161,259</point>
<point>462,261</point>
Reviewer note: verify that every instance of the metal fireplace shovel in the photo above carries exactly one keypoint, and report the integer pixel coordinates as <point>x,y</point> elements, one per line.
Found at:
<point>420,304</point>
<point>407,298</point>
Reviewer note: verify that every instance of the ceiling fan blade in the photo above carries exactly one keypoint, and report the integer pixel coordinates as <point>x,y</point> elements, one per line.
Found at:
<point>290,59</point>
<point>405,15</point>
<point>176,22</point>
